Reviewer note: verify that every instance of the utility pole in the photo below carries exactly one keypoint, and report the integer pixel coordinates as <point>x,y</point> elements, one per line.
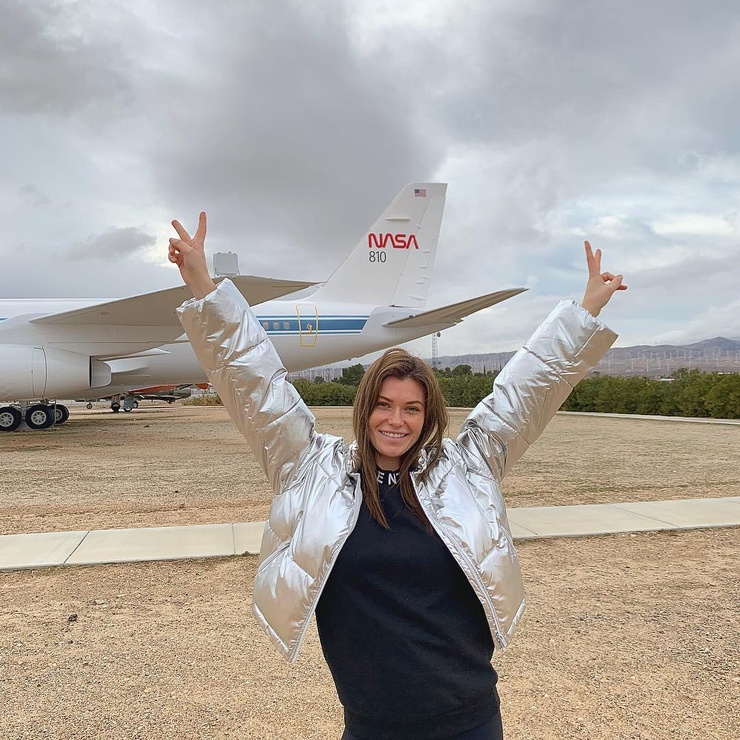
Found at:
<point>435,350</point>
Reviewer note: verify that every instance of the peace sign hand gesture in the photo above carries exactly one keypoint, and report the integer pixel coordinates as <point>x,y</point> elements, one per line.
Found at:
<point>188,253</point>
<point>601,286</point>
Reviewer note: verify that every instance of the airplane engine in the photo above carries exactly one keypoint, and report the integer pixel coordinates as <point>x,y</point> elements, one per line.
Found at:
<point>31,373</point>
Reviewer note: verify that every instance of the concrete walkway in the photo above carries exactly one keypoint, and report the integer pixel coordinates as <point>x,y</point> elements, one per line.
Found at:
<point>646,417</point>
<point>48,549</point>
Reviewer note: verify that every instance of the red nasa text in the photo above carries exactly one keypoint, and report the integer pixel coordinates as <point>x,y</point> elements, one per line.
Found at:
<point>397,241</point>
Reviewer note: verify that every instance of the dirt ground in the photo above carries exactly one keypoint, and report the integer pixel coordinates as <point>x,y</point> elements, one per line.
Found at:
<point>625,636</point>
<point>171,465</point>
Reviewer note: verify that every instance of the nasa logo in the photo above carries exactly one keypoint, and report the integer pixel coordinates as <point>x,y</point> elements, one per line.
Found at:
<point>397,241</point>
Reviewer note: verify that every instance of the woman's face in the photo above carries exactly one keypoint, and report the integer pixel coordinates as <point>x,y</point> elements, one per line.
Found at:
<point>396,422</point>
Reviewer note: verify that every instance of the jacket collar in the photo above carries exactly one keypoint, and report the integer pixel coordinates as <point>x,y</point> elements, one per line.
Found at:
<point>353,460</point>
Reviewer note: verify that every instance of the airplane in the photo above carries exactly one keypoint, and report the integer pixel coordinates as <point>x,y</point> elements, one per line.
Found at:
<point>375,299</point>
<point>168,392</point>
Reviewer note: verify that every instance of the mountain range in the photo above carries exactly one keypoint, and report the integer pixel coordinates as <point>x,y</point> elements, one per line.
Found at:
<point>710,355</point>
<point>657,361</point>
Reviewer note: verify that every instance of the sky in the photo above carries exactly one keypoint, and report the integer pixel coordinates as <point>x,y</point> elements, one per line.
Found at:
<point>293,124</point>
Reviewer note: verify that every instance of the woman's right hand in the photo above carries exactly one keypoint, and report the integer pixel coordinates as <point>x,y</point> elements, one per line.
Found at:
<point>188,253</point>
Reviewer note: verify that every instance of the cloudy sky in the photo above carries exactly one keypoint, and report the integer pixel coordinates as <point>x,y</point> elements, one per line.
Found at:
<point>294,123</point>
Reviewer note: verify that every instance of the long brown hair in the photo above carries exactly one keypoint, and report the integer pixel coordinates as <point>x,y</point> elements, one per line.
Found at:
<point>398,363</point>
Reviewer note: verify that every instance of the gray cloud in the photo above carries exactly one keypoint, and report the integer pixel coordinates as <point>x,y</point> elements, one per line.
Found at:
<point>33,196</point>
<point>50,65</point>
<point>284,131</point>
<point>543,69</point>
<point>112,246</point>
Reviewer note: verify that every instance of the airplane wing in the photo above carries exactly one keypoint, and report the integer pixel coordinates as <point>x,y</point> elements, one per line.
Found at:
<point>455,312</point>
<point>158,308</point>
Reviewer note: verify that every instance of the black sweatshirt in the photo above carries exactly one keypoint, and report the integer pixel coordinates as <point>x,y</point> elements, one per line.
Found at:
<point>403,632</point>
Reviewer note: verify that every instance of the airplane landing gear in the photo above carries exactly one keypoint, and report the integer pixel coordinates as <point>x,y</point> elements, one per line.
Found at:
<point>40,416</point>
<point>61,413</point>
<point>35,415</point>
<point>10,419</point>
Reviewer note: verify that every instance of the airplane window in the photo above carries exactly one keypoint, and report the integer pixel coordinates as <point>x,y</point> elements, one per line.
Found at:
<point>286,325</point>
<point>265,325</point>
<point>276,325</point>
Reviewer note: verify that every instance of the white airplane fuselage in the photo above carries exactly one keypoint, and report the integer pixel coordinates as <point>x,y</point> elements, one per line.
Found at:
<point>337,332</point>
<point>305,335</point>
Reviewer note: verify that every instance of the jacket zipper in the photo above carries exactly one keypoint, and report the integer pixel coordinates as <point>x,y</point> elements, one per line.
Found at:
<point>460,555</point>
<point>293,655</point>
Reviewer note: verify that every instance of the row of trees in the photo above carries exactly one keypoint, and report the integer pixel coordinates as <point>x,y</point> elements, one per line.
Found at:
<point>686,393</point>
<point>459,385</point>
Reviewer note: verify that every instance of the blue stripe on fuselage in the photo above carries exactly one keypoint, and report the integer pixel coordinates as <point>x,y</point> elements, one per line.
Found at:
<point>286,325</point>
<point>327,324</point>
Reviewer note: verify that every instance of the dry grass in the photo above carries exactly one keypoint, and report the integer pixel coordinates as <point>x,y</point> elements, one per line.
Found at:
<point>170,465</point>
<point>625,637</point>
<point>628,636</point>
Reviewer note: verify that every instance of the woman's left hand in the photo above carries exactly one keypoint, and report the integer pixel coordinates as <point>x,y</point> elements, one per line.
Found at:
<point>188,253</point>
<point>601,286</point>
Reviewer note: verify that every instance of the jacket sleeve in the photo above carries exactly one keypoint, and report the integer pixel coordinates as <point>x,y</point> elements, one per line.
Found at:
<point>533,385</point>
<point>243,366</point>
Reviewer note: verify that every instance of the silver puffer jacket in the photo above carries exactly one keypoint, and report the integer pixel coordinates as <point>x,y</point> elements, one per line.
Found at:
<point>314,476</point>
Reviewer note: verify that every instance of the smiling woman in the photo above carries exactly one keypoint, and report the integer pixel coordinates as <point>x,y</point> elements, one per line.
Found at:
<point>399,543</point>
<point>399,411</point>
<point>397,420</point>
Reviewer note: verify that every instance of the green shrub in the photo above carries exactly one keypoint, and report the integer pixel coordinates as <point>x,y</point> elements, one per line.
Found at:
<point>207,399</point>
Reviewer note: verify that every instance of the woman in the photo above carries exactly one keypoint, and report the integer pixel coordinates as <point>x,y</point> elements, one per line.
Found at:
<point>399,542</point>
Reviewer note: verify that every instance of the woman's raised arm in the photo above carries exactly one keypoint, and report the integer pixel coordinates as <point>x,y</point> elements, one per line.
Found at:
<point>537,380</point>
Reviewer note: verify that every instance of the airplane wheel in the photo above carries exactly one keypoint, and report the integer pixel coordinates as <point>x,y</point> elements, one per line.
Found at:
<point>61,413</point>
<point>136,404</point>
<point>126,410</point>
<point>115,407</point>
<point>88,405</point>
<point>10,419</point>
<point>39,416</point>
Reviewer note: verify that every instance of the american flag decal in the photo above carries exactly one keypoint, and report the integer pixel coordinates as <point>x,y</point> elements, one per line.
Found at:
<point>420,192</point>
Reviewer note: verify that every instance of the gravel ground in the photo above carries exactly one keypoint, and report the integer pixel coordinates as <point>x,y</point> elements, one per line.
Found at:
<point>625,636</point>
<point>162,465</point>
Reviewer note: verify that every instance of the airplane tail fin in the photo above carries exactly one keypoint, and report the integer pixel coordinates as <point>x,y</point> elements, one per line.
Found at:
<point>392,263</point>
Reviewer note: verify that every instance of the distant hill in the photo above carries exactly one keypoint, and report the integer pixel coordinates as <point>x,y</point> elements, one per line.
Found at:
<point>710,355</point>
<point>719,354</point>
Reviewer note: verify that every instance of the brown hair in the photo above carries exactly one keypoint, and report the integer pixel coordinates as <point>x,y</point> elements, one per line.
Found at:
<point>398,363</point>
